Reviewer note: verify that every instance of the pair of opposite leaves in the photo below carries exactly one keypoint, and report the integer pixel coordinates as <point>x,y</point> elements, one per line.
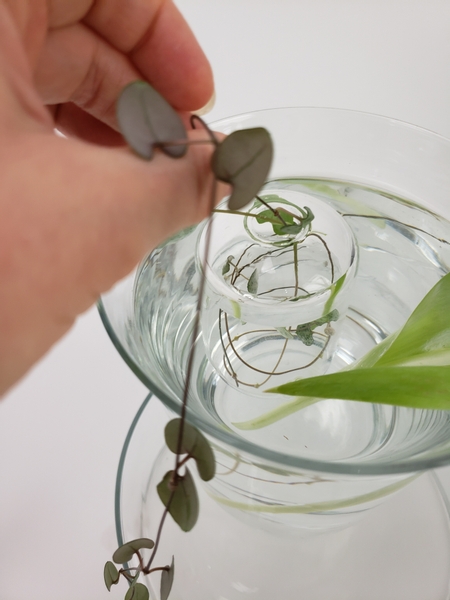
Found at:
<point>147,121</point>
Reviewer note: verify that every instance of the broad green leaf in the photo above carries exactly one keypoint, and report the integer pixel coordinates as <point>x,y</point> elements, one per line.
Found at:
<point>415,361</point>
<point>195,444</point>
<point>417,387</point>
<point>423,340</point>
<point>111,575</point>
<point>146,120</point>
<point>167,581</point>
<point>426,331</point>
<point>252,285</point>
<point>137,591</point>
<point>125,552</point>
<point>184,505</point>
<point>243,159</point>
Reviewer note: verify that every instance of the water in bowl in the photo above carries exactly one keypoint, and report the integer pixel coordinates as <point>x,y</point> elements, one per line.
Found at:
<point>402,252</point>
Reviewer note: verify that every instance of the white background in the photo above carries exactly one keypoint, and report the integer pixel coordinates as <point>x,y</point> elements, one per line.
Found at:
<point>62,427</point>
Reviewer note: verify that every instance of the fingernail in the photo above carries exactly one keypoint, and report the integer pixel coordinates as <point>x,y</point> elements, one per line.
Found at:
<point>207,108</point>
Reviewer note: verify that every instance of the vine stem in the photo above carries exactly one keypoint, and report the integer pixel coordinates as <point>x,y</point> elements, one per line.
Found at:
<point>195,331</point>
<point>158,535</point>
<point>179,462</point>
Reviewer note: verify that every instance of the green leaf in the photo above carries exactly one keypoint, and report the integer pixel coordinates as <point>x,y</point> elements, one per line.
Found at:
<point>227,266</point>
<point>427,330</point>
<point>420,351</point>
<point>305,330</point>
<point>304,334</point>
<point>290,229</point>
<point>236,309</point>
<point>184,505</point>
<point>167,580</point>
<point>282,223</point>
<point>195,444</point>
<point>125,552</point>
<point>243,159</point>
<point>110,574</point>
<point>137,591</point>
<point>146,120</point>
<point>417,387</point>
<point>268,216</point>
<point>252,285</point>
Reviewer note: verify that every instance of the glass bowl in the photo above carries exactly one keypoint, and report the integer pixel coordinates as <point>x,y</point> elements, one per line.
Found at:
<point>380,187</point>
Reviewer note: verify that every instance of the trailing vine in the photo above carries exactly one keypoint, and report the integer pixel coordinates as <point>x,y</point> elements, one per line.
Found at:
<point>243,159</point>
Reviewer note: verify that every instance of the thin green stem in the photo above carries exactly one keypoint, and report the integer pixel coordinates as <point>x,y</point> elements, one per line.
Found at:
<point>296,268</point>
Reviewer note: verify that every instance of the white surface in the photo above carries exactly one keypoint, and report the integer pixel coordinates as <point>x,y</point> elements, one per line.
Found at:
<point>62,428</point>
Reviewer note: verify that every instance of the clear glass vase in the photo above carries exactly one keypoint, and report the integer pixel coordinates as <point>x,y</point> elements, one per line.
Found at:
<point>286,304</point>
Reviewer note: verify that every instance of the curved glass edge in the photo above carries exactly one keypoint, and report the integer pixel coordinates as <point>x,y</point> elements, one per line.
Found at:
<point>120,467</point>
<point>348,468</point>
<point>242,116</point>
<point>247,447</point>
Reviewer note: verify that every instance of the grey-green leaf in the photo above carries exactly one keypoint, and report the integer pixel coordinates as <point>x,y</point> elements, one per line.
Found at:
<point>167,580</point>
<point>184,505</point>
<point>193,443</point>
<point>125,552</point>
<point>146,120</point>
<point>252,285</point>
<point>417,387</point>
<point>227,266</point>
<point>243,159</point>
<point>304,334</point>
<point>137,591</point>
<point>110,574</point>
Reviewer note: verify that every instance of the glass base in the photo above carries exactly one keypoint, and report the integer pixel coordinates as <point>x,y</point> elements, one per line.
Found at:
<point>398,550</point>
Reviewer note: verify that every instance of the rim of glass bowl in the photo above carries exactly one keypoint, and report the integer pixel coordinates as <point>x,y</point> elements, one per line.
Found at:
<point>234,440</point>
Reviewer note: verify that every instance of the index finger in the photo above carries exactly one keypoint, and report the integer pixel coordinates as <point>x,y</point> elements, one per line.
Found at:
<point>159,42</point>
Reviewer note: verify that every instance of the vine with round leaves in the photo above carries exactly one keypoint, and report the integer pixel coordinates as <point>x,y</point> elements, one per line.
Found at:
<point>243,159</point>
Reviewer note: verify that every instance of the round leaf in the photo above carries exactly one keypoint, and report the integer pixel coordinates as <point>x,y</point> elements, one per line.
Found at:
<point>184,505</point>
<point>124,553</point>
<point>167,581</point>
<point>111,575</point>
<point>193,443</point>
<point>252,285</point>
<point>146,119</point>
<point>138,591</point>
<point>243,159</point>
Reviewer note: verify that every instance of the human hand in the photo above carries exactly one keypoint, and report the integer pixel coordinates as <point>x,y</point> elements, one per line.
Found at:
<point>79,213</point>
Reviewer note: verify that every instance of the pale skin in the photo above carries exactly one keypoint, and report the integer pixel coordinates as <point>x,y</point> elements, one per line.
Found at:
<point>77,214</point>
